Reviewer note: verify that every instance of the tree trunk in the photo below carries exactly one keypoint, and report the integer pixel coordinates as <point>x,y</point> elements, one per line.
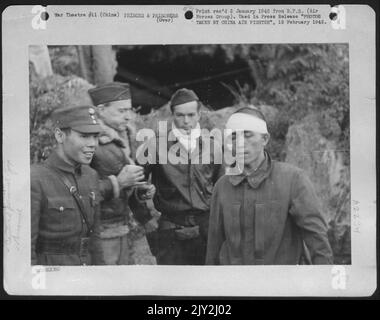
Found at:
<point>104,64</point>
<point>97,63</point>
<point>39,56</point>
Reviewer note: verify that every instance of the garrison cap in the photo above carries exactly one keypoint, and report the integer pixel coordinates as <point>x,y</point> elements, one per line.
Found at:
<point>78,118</point>
<point>112,91</point>
<point>182,96</point>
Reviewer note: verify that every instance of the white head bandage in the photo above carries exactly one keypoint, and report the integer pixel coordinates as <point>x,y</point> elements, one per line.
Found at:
<point>246,122</point>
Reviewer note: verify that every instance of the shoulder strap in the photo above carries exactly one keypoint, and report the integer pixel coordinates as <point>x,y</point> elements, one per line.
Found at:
<point>74,192</point>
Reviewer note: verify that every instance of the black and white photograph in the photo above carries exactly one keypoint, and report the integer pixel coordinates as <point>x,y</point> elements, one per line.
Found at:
<point>146,158</point>
<point>290,205</point>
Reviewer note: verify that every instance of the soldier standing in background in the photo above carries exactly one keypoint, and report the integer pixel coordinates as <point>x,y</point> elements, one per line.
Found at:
<point>183,189</point>
<point>119,231</point>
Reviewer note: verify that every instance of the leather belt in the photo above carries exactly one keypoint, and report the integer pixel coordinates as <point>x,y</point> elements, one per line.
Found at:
<point>185,220</point>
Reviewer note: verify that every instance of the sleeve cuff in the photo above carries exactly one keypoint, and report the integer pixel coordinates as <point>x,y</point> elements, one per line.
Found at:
<point>115,186</point>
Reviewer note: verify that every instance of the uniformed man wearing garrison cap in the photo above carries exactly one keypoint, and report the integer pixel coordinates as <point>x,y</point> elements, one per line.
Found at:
<point>183,189</point>
<point>65,192</point>
<point>119,232</point>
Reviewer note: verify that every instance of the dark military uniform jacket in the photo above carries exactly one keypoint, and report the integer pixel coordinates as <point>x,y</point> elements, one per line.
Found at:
<point>184,190</point>
<point>57,225</point>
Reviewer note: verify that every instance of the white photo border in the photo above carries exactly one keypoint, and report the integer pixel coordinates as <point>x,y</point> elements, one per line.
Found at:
<point>20,278</point>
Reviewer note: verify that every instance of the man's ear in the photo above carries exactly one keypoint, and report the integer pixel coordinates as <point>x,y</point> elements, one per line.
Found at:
<point>266,138</point>
<point>59,135</point>
<point>100,109</point>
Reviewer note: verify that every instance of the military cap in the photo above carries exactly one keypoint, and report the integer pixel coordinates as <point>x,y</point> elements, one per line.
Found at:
<point>113,91</point>
<point>182,96</point>
<point>78,118</point>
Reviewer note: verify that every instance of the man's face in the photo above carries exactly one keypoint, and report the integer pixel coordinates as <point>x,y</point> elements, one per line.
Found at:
<point>253,145</point>
<point>186,116</point>
<point>79,148</point>
<point>117,114</point>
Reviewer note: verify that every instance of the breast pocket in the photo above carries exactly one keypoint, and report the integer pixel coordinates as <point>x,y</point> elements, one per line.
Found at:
<point>61,213</point>
<point>60,205</point>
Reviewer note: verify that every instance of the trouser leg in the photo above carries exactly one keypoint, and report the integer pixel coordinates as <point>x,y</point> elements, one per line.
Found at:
<point>108,251</point>
<point>140,252</point>
<point>195,251</point>
<point>165,247</point>
<point>171,251</point>
<point>124,254</point>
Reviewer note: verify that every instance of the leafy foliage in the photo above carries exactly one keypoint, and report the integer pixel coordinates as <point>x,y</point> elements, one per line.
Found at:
<point>65,60</point>
<point>45,96</point>
<point>300,80</point>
